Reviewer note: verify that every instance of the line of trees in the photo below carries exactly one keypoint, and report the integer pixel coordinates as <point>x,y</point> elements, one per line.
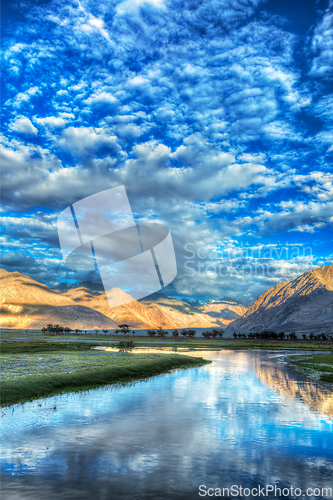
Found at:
<point>186,332</point>
<point>270,335</point>
<point>175,333</point>
<point>159,333</point>
<point>64,330</point>
<point>124,329</point>
<point>58,330</point>
<point>213,334</point>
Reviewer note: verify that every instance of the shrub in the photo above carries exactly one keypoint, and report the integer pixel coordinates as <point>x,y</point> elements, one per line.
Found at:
<point>127,344</point>
<point>55,329</point>
<point>161,333</point>
<point>191,333</point>
<point>124,328</point>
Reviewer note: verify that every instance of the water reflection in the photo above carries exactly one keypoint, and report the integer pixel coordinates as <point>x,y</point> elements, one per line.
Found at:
<point>292,384</point>
<point>228,423</point>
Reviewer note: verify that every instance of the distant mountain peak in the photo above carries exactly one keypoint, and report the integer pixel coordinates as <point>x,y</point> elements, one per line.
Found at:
<point>92,286</point>
<point>28,303</point>
<point>3,273</point>
<point>64,287</point>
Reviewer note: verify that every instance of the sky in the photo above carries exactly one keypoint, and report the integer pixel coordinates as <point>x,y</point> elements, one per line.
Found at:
<point>216,116</point>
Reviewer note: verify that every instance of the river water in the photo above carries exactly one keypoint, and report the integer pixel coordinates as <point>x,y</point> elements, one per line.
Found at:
<point>247,419</point>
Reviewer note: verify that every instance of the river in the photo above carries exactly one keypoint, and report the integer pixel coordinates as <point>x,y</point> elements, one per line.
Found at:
<point>245,420</point>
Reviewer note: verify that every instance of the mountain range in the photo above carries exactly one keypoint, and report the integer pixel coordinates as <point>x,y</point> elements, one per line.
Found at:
<point>26,303</point>
<point>303,304</point>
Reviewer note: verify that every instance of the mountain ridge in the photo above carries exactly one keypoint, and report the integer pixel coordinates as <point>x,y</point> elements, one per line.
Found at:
<point>305,303</point>
<point>26,303</point>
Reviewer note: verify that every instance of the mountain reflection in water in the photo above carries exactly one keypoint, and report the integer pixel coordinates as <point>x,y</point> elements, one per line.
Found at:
<point>289,382</point>
<point>246,419</point>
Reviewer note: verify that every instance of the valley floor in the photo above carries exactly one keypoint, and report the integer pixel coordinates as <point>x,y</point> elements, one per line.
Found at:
<point>318,366</point>
<point>35,366</point>
<point>32,370</point>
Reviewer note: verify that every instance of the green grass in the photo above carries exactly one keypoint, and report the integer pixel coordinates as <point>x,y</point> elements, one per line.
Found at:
<point>195,343</point>
<point>319,366</point>
<point>241,344</point>
<point>32,370</point>
<point>37,368</point>
<point>25,347</point>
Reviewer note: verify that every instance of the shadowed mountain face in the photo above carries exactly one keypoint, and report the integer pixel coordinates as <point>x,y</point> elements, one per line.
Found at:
<point>303,304</point>
<point>176,313</point>
<point>300,305</point>
<point>154,311</point>
<point>90,285</point>
<point>25,303</point>
<point>225,310</point>
<point>132,313</point>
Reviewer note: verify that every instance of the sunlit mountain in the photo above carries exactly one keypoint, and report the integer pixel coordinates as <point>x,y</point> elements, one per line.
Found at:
<point>305,303</point>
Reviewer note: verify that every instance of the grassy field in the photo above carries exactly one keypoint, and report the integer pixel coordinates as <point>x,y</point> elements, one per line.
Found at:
<point>31,370</point>
<point>195,343</point>
<point>319,366</point>
<point>38,366</point>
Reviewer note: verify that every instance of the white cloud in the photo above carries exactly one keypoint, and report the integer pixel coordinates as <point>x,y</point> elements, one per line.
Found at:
<point>87,141</point>
<point>23,97</point>
<point>103,100</point>
<point>322,46</point>
<point>53,121</point>
<point>23,125</point>
<point>193,106</point>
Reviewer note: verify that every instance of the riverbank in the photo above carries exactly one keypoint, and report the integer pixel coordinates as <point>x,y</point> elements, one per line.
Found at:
<point>182,342</point>
<point>32,370</point>
<point>38,367</point>
<point>317,366</point>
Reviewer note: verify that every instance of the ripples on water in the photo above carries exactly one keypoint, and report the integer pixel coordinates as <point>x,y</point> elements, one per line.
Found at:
<point>246,419</point>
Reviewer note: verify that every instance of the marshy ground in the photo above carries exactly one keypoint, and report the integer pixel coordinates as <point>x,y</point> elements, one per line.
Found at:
<point>318,366</point>
<point>31,370</point>
<point>34,366</point>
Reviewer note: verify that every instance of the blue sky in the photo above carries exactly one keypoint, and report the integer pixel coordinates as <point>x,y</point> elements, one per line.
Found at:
<point>215,115</point>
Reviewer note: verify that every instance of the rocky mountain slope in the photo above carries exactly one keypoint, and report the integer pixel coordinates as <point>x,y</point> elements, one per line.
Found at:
<point>133,313</point>
<point>25,303</point>
<point>224,310</point>
<point>152,312</point>
<point>303,304</point>
<point>178,313</point>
